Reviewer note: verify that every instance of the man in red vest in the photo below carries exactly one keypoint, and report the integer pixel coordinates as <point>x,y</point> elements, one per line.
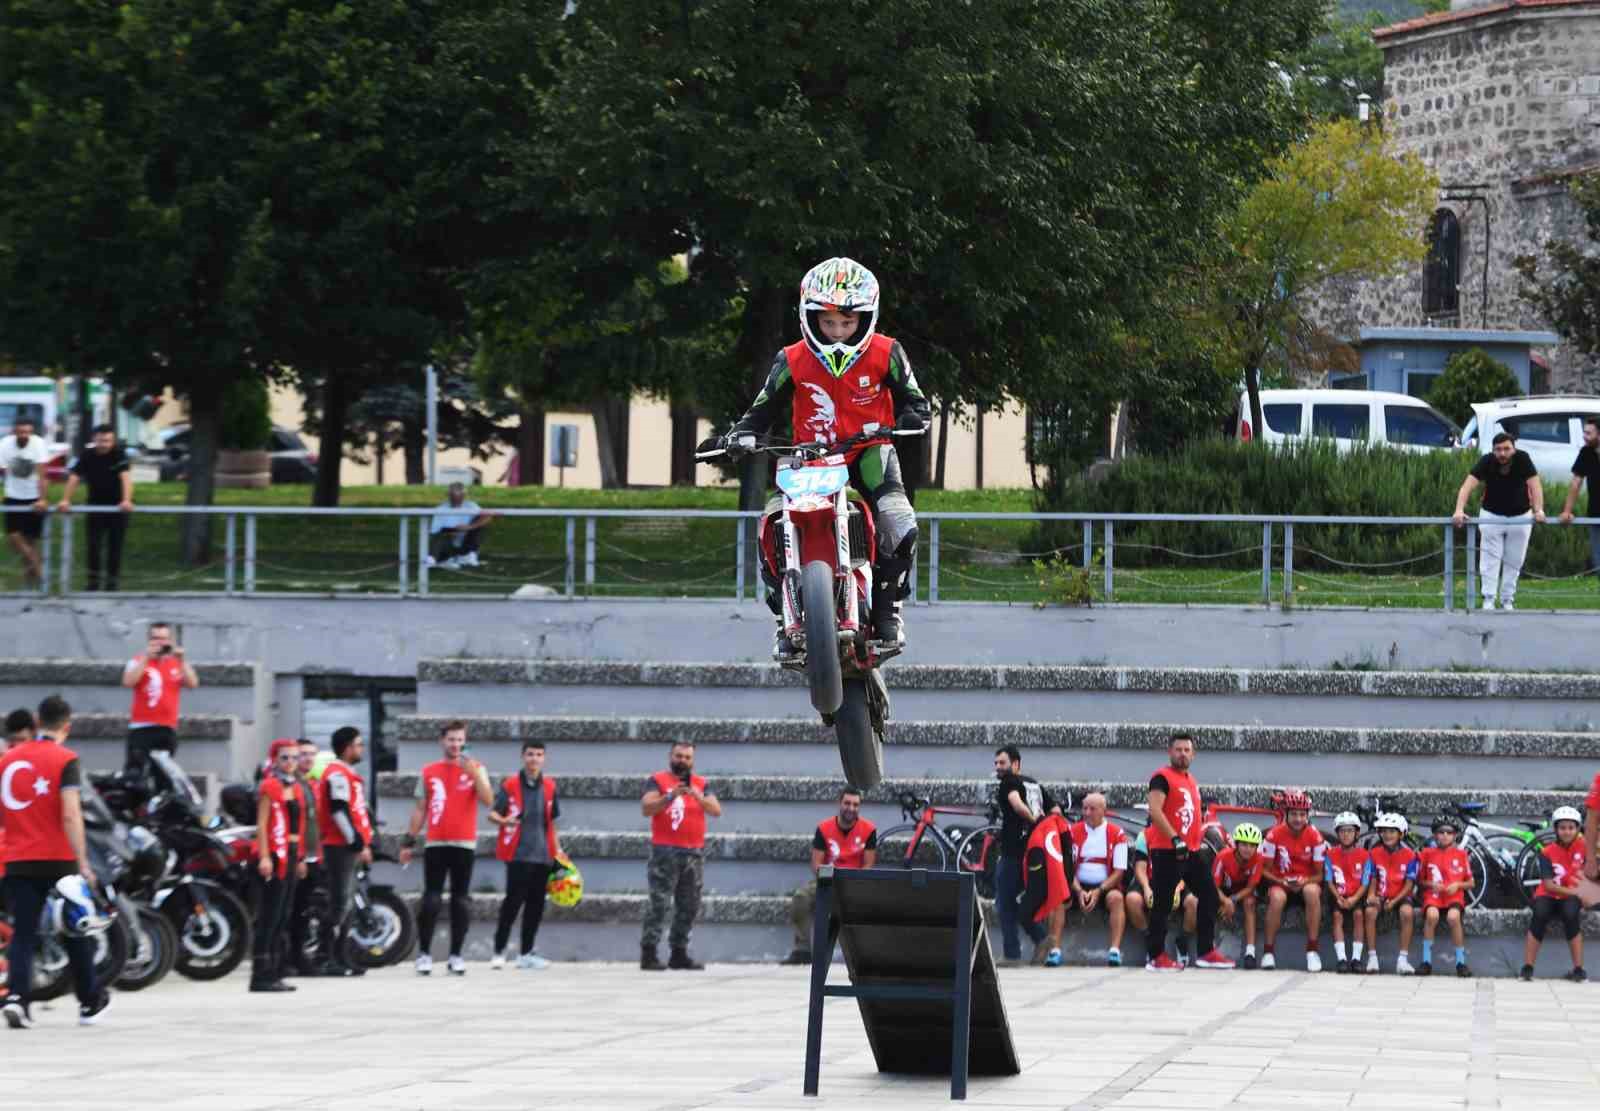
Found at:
<point>844,378</point>
<point>676,801</point>
<point>846,840</point>
<point>157,678</point>
<point>525,808</point>
<point>449,791</point>
<point>42,816</point>
<point>345,826</point>
<point>1174,839</point>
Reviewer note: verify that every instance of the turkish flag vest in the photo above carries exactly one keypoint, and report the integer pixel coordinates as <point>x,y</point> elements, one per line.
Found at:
<point>505,846</point>
<point>451,795</point>
<point>828,408</point>
<point>30,801</point>
<point>681,825</point>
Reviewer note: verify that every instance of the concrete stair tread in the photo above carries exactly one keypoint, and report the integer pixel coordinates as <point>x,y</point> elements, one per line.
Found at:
<point>74,672</point>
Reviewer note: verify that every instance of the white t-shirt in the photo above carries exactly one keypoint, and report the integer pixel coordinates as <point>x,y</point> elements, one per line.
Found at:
<point>24,466</point>
<point>1092,872</point>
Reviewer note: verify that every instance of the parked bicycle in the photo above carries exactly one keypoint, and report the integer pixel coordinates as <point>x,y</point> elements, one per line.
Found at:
<point>920,842</point>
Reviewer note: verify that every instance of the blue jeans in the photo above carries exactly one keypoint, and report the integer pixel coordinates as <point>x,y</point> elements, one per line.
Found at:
<point>1007,888</point>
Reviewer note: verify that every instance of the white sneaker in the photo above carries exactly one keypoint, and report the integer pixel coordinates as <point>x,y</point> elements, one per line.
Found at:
<point>1268,962</point>
<point>469,560</point>
<point>429,561</point>
<point>1508,607</point>
<point>1372,962</point>
<point>457,966</point>
<point>1402,966</point>
<point>533,961</point>
<point>498,961</point>
<point>452,564</point>
<point>1313,962</point>
<point>424,965</point>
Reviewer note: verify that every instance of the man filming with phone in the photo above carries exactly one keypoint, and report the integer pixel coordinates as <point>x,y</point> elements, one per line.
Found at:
<point>676,801</point>
<point>157,677</point>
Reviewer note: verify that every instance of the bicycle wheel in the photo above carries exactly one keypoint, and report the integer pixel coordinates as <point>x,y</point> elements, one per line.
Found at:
<point>1502,851</point>
<point>1482,871</point>
<point>979,853</point>
<point>896,849</point>
<point>1528,868</point>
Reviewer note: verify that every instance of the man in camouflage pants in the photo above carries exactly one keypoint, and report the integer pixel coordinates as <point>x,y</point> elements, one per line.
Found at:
<point>676,801</point>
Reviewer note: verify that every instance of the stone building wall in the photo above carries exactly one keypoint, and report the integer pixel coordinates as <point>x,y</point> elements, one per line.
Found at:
<point>1507,97</point>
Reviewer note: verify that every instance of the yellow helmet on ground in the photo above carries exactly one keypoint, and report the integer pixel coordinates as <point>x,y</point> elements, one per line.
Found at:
<point>565,886</point>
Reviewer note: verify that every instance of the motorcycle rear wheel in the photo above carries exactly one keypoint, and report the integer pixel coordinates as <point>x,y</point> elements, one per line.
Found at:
<point>860,746</point>
<point>152,958</point>
<point>213,943</point>
<point>823,673</point>
<point>385,934</point>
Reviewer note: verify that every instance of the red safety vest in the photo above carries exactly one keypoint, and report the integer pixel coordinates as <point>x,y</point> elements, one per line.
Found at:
<point>505,846</point>
<point>1567,864</point>
<point>30,802</point>
<point>683,824</point>
<point>355,794</point>
<point>277,831</point>
<point>155,695</point>
<point>846,848</point>
<point>1182,809</point>
<point>451,794</point>
<point>828,408</point>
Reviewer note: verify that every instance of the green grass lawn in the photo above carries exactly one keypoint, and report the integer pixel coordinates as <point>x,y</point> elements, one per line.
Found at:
<point>677,556</point>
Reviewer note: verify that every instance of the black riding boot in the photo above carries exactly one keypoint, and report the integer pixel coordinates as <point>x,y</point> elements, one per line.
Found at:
<point>885,610</point>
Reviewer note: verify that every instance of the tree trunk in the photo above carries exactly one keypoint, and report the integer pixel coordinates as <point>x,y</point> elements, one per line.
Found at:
<point>944,443</point>
<point>331,453</point>
<point>380,448</point>
<point>759,340</point>
<point>1252,385</point>
<point>978,448</point>
<point>205,428</point>
<point>684,421</point>
<point>412,436</point>
<point>530,446</point>
<point>611,440</point>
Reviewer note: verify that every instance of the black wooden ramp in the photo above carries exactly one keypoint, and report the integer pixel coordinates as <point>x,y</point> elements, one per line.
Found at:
<point>920,970</point>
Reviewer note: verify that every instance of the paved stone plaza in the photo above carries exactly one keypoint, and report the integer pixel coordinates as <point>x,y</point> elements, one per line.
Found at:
<point>604,1036</point>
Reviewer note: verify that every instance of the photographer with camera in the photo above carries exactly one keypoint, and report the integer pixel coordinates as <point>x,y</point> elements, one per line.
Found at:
<point>157,677</point>
<point>676,802</point>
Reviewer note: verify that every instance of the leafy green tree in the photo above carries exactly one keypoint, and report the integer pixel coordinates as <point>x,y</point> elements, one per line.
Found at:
<point>1337,204</point>
<point>1471,376</point>
<point>1565,287</point>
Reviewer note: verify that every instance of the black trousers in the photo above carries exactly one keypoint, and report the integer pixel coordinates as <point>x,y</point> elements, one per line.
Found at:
<point>339,864</point>
<point>270,903</point>
<point>143,741</point>
<point>1547,909</point>
<point>444,545</point>
<point>1195,872</point>
<point>525,887</point>
<point>106,531</point>
<point>299,919</point>
<point>24,897</point>
<point>441,862</point>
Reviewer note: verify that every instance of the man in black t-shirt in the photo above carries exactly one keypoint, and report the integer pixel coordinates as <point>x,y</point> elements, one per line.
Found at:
<point>1510,486</point>
<point>1022,801</point>
<point>104,470</point>
<point>1587,468</point>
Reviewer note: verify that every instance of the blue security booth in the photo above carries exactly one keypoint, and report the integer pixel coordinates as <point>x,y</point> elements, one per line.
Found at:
<point>1407,360</point>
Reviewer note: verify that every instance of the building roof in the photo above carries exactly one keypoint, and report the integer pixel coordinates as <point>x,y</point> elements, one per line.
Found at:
<point>1466,15</point>
<point>1458,335</point>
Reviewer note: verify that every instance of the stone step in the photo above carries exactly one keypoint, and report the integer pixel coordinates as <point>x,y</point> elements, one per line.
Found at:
<point>1114,750</point>
<point>206,742</point>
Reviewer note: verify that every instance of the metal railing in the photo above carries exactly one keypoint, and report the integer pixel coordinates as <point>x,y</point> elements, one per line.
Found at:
<point>570,566</point>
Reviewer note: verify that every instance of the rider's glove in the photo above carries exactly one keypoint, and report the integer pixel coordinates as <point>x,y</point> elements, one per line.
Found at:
<point>908,421</point>
<point>736,451</point>
<point>1180,851</point>
<point>708,445</point>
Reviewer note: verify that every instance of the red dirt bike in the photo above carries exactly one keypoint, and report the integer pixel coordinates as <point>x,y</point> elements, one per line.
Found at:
<point>820,550</point>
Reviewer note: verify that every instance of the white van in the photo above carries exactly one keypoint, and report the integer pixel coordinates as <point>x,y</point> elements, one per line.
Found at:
<point>1348,418</point>
<point>1549,427</point>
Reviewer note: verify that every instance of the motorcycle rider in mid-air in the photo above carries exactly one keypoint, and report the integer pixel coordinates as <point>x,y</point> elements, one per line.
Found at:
<point>840,378</point>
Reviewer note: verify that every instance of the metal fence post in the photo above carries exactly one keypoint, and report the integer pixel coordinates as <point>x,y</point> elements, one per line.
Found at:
<point>588,556</point>
<point>422,556</point>
<point>1110,575</point>
<point>1288,562</point>
<point>933,562</point>
<point>738,560</point>
<point>1088,544</point>
<point>249,553</point>
<point>1472,567</point>
<point>405,555</point>
<point>66,552</point>
<point>1266,563</point>
<point>572,555</point>
<point>1449,568</point>
<point>230,552</point>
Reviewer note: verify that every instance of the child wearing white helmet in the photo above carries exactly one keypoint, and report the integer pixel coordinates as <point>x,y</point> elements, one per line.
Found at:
<point>1392,867</point>
<point>841,379</point>
<point>1346,871</point>
<point>1560,867</point>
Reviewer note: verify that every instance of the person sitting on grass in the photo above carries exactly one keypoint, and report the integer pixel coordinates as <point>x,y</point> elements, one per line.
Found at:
<point>1393,867</point>
<point>1346,872</point>
<point>1446,874</point>
<point>1560,867</point>
<point>458,526</point>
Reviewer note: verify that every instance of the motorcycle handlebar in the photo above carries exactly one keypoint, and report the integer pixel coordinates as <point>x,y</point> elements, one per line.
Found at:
<point>754,448</point>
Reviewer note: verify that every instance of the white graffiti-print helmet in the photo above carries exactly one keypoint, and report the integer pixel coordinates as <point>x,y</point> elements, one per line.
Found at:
<point>838,285</point>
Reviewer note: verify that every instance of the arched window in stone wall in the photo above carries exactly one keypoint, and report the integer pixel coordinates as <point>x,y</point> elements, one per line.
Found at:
<point>1441,273</point>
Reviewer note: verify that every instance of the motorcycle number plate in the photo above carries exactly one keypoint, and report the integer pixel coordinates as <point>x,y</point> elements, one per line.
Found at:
<point>817,482</point>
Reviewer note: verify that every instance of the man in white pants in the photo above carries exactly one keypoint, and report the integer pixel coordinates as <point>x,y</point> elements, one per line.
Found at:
<point>1510,487</point>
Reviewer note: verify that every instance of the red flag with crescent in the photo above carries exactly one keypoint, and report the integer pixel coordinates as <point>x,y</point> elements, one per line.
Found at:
<point>1052,837</point>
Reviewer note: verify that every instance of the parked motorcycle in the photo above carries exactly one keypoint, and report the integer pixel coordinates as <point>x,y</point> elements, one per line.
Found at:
<point>820,549</point>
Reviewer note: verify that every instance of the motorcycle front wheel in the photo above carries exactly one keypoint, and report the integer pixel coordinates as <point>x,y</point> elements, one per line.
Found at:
<point>823,673</point>
<point>153,957</point>
<point>384,933</point>
<point>212,940</point>
<point>860,746</point>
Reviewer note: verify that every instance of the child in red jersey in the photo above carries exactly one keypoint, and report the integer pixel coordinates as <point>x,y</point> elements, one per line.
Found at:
<point>1294,849</point>
<point>1446,873</point>
<point>1560,865</point>
<point>1237,874</point>
<point>1345,871</point>
<point>1392,868</point>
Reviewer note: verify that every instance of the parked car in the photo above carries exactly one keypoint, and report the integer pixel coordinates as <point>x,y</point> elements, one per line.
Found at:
<point>291,461</point>
<point>1348,418</point>
<point>1549,427</point>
